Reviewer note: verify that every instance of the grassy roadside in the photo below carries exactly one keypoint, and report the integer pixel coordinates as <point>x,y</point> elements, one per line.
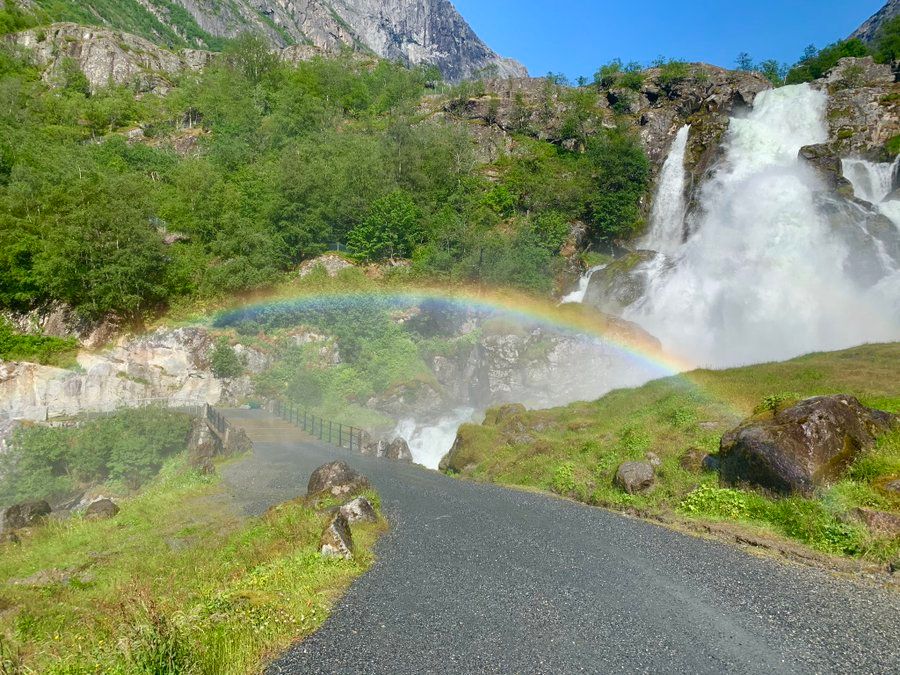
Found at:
<point>176,582</point>
<point>575,450</point>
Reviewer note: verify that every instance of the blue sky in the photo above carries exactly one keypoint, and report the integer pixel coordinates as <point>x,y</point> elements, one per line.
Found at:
<point>576,36</point>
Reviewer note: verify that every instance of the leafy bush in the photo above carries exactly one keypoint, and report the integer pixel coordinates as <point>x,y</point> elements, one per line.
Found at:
<point>672,72</point>
<point>708,500</point>
<point>129,446</point>
<point>224,361</point>
<point>390,230</point>
<point>816,63</point>
<point>774,402</point>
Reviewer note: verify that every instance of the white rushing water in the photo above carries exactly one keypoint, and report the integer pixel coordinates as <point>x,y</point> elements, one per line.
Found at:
<point>577,296</point>
<point>428,443</point>
<point>764,275</point>
<point>874,182</point>
<point>666,232</point>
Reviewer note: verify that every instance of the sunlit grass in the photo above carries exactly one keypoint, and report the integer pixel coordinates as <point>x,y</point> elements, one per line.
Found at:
<point>575,450</point>
<point>177,582</point>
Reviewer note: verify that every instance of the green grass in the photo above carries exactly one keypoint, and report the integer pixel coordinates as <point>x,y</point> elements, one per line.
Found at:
<point>177,582</point>
<point>575,450</point>
<point>51,351</point>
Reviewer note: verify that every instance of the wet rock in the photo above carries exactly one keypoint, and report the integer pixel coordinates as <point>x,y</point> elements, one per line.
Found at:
<point>102,509</point>
<point>27,514</point>
<point>635,477</point>
<point>337,540</point>
<point>826,163</point>
<point>337,479</point>
<point>359,510</point>
<point>801,447</point>
<point>398,450</point>
<point>621,283</point>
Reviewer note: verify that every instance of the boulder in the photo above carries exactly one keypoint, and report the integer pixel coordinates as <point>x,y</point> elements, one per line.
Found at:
<point>500,414</point>
<point>398,450</point>
<point>359,510</point>
<point>825,162</point>
<point>621,283</point>
<point>654,460</point>
<point>27,514</point>
<point>893,486</point>
<point>101,509</point>
<point>337,479</point>
<point>801,447</point>
<point>337,541</point>
<point>635,477</point>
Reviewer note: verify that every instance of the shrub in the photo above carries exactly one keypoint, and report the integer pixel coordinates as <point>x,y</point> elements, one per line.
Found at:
<point>815,64</point>
<point>775,402</point>
<point>16,346</point>
<point>224,361</point>
<point>129,446</point>
<point>708,500</point>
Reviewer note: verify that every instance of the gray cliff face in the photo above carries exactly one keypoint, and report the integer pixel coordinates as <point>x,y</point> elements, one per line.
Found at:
<point>869,30</point>
<point>412,31</point>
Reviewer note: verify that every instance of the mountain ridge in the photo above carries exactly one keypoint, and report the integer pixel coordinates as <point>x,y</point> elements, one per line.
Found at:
<point>414,32</point>
<point>868,31</point>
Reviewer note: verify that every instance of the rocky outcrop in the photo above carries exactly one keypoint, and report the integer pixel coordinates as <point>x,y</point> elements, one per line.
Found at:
<point>863,111</point>
<point>61,321</point>
<point>415,32</point>
<point>106,57</point>
<point>167,365</point>
<point>635,477</point>
<point>869,30</point>
<point>825,161</point>
<point>336,479</point>
<point>802,447</point>
<point>331,263</point>
<point>27,514</point>
<point>621,283</point>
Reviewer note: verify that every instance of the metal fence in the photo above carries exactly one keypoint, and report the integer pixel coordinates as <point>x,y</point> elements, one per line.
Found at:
<point>328,431</point>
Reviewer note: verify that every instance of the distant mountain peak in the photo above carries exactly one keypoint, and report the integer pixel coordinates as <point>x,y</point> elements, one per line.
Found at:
<point>869,30</point>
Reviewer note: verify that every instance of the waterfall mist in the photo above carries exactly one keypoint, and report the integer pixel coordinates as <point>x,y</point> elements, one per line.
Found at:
<point>768,272</point>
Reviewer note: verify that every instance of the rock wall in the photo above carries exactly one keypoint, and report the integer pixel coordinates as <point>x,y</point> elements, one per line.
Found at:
<point>167,365</point>
<point>869,30</point>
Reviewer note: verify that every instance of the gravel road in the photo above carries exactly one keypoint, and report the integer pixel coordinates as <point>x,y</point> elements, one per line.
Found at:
<point>480,579</point>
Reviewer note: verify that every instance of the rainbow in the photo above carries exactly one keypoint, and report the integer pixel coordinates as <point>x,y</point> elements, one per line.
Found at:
<point>619,336</point>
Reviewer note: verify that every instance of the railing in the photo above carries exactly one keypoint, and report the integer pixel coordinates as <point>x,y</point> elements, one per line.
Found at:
<point>328,431</point>
<point>216,420</point>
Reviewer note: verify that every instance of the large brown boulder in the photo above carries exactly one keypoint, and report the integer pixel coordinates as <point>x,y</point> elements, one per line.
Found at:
<point>27,514</point>
<point>337,479</point>
<point>801,447</point>
<point>398,450</point>
<point>101,509</point>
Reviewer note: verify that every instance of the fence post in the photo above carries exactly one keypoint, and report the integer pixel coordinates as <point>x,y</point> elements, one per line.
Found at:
<point>351,439</point>
<point>340,435</point>
<point>329,432</point>
<point>304,420</point>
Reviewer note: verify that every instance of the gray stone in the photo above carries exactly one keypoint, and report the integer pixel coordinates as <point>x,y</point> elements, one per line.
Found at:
<point>359,510</point>
<point>337,540</point>
<point>336,479</point>
<point>635,477</point>
<point>398,450</point>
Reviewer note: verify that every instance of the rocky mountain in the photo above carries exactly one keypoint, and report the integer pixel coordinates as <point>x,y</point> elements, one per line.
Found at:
<point>415,32</point>
<point>869,30</point>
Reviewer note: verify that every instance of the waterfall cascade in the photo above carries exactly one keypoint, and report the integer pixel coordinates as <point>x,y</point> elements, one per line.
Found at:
<point>874,182</point>
<point>766,273</point>
<point>666,232</point>
<point>428,443</point>
<point>577,296</point>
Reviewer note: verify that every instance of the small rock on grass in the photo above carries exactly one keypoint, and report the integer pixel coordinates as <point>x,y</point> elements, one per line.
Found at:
<point>359,510</point>
<point>337,541</point>
<point>101,510</point>
<point>635,477</point>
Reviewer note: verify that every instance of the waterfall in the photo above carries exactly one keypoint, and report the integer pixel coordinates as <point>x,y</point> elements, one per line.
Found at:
<point>577,296</point>
<point>874,183</point>
<point>428,443</point>
<point>667,218</point>
<point>767,272</point>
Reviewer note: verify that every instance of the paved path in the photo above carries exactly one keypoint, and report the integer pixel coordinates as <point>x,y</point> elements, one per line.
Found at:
<point>476,578</point>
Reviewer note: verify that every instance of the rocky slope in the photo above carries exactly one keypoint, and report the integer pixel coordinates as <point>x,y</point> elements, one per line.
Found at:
<point>869,30</point>
<point>428,32</point>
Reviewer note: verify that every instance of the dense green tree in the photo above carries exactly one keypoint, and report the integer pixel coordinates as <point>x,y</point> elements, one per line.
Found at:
<point>392,229</point>
<point>815,64</point>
